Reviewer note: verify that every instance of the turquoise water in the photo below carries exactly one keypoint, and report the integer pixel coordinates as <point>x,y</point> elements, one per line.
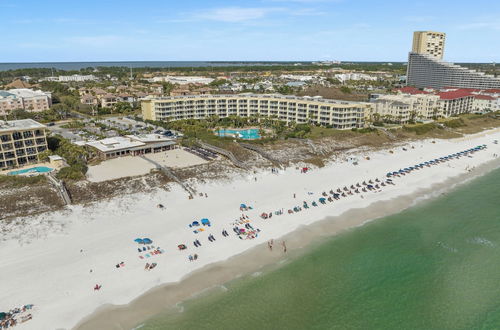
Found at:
<point>434,266</point>
<point>38,169</point>
<point>245,134</point>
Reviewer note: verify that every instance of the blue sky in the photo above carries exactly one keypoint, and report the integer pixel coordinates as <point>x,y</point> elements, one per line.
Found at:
<point>358,30</point>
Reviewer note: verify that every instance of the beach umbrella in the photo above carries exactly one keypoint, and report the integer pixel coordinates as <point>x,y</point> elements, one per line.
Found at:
<point>3,315</point>
<point>147,241</point>
<point>243,205</point>
<point>139,240</point>
<point>205,221</point>
<point>322,199</point>
<point>195,223</point>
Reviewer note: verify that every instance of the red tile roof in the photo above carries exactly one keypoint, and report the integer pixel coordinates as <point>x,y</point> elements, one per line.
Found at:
<point>492,90</point>
<point>483,97</point>
<point>457,94</point>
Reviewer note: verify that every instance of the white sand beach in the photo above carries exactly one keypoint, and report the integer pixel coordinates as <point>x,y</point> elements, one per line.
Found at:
<point>54,260</point>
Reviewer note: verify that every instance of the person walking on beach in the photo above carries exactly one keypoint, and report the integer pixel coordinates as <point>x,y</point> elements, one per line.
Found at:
<point>293,195</point>
<point>284,246</point>
<point>270,245</point>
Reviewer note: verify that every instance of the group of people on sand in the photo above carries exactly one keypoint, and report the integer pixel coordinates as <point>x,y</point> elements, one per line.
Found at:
<point>149,266</point>
<point>193,257</point>
<point>15,315</point>
<point>270,245</point>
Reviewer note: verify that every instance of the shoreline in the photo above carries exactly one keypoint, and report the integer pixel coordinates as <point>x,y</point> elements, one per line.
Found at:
<point>55,260</point>
<point>165,297</point>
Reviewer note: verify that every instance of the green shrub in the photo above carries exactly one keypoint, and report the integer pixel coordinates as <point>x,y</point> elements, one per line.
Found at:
<point>455,123</point>
<point>73,172</point>
<point>420,129</point>
<point>16,180</point>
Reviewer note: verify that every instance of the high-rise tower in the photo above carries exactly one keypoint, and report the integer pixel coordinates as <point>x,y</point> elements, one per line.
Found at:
<point>427,69</point>
<point>429,42</point>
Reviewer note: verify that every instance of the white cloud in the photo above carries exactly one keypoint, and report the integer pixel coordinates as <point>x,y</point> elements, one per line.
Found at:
<point>495,25</point>
<point>419,19</point>
<point>235,14</point>
<point>95,41</point>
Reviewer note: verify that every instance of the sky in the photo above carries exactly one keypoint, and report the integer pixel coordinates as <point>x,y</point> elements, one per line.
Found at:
<point>260,30</point>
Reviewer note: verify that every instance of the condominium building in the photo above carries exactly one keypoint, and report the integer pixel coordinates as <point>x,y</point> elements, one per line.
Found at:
<point>402,108</point>
<point>455,102</point>
<point>25,99</point>
<point>429,42</point>
<point>485,103</point>
<point>426,68</point>
<point>332,113</point>
<point>20,142</point>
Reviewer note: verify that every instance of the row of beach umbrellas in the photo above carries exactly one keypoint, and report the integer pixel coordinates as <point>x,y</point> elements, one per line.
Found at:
<point>437,160</point>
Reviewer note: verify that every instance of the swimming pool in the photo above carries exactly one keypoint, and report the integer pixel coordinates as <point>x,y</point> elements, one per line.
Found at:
<point>245,134</point>
<point>38,169</point>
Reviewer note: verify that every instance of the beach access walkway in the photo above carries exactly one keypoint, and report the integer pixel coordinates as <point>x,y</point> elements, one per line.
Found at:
<point>61,188</point>
<point>225,153</point>
<point>169,173</point>
<point>261,152</point>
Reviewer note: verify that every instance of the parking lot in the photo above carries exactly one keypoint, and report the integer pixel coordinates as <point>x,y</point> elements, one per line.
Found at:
<point>116,125</point>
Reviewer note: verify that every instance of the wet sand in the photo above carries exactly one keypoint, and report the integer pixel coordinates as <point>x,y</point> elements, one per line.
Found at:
<point>164,297</point>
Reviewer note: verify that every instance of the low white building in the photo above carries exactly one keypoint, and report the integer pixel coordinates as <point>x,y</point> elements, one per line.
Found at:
<point>131,145</point>
<point>72,78</point>
<point>183,80</point>
<point>343,77</point>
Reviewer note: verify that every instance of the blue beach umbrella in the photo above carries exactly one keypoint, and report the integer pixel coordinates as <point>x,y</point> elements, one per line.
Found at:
<point>147,241</point>
<point>139,240</point>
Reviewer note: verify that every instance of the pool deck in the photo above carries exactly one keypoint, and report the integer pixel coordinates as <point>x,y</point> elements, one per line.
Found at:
<point>44,164</point>
<point>232,132</point>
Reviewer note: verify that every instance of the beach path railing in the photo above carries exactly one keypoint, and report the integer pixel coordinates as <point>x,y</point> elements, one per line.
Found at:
<point>169,173</point>
<point>225,153</point>
<point>261,152</point>
<point>61,188</point>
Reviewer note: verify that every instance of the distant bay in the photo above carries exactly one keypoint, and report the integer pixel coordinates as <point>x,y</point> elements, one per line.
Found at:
<point>133,64</point>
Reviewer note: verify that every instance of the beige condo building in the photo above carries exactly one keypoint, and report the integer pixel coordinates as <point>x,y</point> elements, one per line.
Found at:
<point>429,42</point>
<point>25,99</point>
<point>402,108</point>
<point>20,142</point>
<point>332,113</point>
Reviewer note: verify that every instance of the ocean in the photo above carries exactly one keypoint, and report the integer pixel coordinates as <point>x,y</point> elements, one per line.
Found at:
<point>433,266</point>
<point>133,64</point>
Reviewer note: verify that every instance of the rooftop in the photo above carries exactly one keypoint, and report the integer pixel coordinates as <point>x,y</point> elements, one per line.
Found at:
<point>114,144</point>
<point>22,124</point>
<point>146,138</point>
<point>484,97</point>
<point>457,94</point>
<point>251,95</point>
<point>22,92</point>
